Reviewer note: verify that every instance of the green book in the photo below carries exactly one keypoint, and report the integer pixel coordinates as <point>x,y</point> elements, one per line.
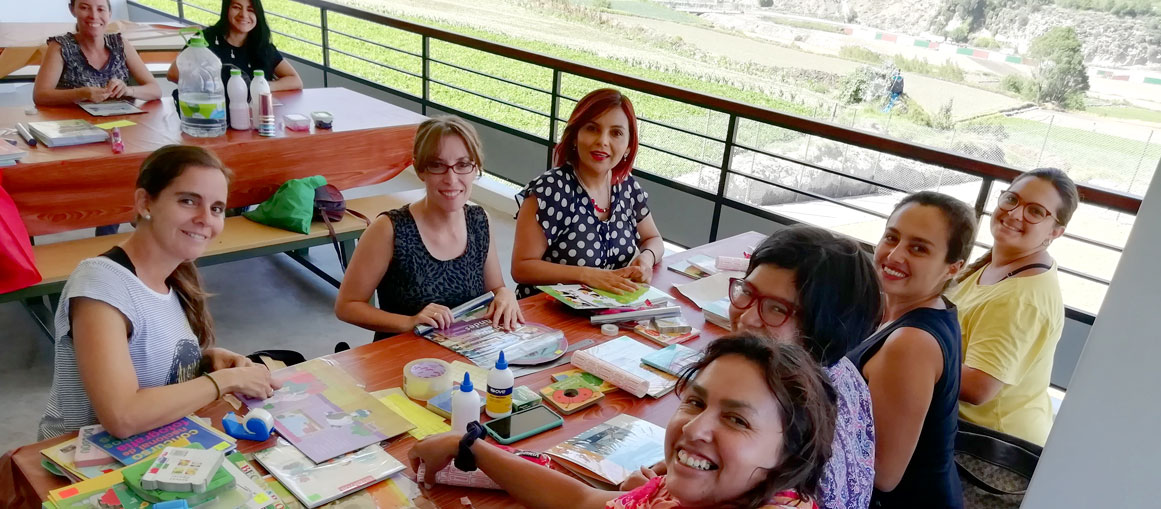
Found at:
<point>221,482</point>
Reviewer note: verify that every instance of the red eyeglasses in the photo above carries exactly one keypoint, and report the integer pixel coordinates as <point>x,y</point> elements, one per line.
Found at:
<point>773,311</point>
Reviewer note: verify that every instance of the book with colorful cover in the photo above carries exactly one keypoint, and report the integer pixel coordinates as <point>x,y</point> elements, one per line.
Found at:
<point>583,297</point>
<point>250,490</point>
<point>592,379</point>
<point>107,490</point>
<point>61,455</point>
<point>609,452</point>
<point>316,484</point>
<point>137,447</point>
<point>481,343</point>
<point>647,330</point>
<point>183,469</point>
<point>618,361</point>
<point>397,492</point>
<point>134,475</point>
<point>61,133</point>
<point>691,266</point>
<point>87,453</point>
<point>324,412</point>
<point>672,359</point>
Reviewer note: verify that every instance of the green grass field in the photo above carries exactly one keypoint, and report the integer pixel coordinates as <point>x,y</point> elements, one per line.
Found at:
<point>1126,112</point>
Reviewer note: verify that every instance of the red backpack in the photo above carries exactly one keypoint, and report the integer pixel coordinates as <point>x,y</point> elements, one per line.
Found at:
<point>17,264</point>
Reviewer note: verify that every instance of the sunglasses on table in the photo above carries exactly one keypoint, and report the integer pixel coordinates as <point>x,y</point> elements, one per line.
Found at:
<point>773,311</point>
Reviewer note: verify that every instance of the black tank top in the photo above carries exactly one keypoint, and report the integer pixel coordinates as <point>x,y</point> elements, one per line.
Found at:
<point>930,480</point>
<point>415,278</point>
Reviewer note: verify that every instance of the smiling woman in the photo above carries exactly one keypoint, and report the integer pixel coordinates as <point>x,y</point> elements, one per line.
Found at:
<point>427,257</point>
<point>241,39</point>
<point>753,430</point>
<point>133,330</point>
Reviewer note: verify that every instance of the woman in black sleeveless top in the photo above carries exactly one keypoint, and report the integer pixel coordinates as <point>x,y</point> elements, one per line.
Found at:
<point>912,362</point>
<point>427,257</point>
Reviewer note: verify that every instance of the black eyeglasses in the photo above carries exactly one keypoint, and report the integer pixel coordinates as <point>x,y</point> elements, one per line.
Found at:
<point>773,311</point>
<point>461,168</point>
<point>1033,212</point>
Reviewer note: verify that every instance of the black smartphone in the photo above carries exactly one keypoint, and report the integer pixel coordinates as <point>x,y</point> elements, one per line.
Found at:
<point>523,424</point>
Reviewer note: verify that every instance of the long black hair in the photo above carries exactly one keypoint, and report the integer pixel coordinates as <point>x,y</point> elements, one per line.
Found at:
<point>256,40</point>
<point>838,291</point>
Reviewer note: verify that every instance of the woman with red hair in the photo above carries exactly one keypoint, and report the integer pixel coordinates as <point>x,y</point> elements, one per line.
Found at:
<point>588,220</point>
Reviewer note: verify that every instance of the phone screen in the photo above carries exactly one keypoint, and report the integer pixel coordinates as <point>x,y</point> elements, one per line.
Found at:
<point>520,423</point>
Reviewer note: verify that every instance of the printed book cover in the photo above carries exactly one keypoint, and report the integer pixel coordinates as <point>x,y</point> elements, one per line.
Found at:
<point>612,450</point>
<point>315,484</point>
<point>138,447</point>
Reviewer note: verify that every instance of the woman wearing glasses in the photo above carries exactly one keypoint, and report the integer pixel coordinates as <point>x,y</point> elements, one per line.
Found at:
<point>807,286</point>
<point>427,257</point>
<point>912,362</point>
<point>1011,310</point>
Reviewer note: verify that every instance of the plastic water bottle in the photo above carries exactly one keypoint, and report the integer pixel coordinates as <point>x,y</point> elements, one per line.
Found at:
<point>465,406</point>
<point>201,96</point>
<point>239,108</point>
<point>500,382</point>
<point>258,86</point>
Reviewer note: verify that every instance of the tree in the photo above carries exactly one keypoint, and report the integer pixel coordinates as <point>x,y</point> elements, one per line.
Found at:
<point>1061,76</point>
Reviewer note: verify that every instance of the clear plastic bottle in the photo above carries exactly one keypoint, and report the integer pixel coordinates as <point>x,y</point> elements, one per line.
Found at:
<point>500,382</point>
<point>465,405</point>
<point>239,107</point>
<point>200,93</point>
<point>258,86</point>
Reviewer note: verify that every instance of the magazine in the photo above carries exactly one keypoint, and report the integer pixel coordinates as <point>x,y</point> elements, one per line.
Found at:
<point>315,484</point>
<point>611,451</point>
<point>583,297</point>
<point>138,447</point>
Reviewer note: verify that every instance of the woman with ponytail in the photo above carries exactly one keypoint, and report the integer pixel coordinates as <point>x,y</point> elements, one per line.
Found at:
<point>1011,310</point>
<point>134,337</point>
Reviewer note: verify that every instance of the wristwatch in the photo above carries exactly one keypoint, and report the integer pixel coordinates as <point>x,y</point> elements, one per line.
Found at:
<point>465,460</point>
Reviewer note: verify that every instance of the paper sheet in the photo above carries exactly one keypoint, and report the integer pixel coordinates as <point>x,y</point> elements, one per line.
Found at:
<point>708,289</point>
<point>116,123</point>
<point>479,374</point>
<point>426,422</point>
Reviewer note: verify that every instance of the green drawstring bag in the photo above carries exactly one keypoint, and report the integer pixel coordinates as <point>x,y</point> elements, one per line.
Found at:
<point>291,207</point>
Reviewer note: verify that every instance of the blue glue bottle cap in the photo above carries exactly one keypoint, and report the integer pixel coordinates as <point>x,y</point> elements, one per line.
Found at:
<point>466,386</point>
<point>500,362</point>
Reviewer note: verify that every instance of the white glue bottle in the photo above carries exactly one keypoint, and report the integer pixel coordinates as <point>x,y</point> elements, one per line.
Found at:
<point>500,382</point>
<point>465,406</point>
<point>258,86</point>
<point>239,108</point>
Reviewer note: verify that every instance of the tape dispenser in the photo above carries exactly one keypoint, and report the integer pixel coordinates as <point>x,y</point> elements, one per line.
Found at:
<point>256,426</point>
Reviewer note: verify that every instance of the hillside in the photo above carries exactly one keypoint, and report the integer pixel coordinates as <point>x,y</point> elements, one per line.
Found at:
<point>1109,39</point>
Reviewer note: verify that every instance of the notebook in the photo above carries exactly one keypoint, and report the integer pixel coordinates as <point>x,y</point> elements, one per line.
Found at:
<point>110,108</point>
<point>316,484</point>
<point>608,453</point>
<point>62,133</point>
<point>618,361</point>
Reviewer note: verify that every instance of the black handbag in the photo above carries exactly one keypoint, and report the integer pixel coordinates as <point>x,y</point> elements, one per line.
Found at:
<point>994,468</point>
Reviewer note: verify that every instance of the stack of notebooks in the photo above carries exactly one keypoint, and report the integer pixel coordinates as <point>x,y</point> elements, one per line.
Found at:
<point>718,313</point>
<point>10,154</point>
<point>62,133</point>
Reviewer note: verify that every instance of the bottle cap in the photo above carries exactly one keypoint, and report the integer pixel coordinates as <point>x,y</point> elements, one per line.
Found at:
<point>198,41</point>
<point>259,72</point>
<point>500,362</point>
<point>235,72</point>
<point>466,386</point>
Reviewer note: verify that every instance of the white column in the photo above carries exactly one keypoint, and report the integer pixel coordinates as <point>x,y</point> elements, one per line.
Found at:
<point>1104,449</point>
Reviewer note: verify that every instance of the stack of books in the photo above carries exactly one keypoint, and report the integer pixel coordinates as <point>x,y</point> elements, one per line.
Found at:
<point>10,154</point>
<point>62,133</point>
<point>718,313</point>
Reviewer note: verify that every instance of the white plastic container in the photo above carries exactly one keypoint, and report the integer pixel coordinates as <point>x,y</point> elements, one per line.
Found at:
<point>239,107</point>
<point>465,406</point>
<point>500,382</point>
<point>200,93</point>
<point>258,86</point>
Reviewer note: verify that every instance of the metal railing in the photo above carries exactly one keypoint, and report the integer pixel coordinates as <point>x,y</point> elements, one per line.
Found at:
<point>734,112</point>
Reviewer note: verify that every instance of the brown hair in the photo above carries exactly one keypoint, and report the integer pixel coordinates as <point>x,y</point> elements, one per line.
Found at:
<point>591,106</point>
<point>108,5</point>
<point>432,131</point>
<point>808,411</point>
<point>158,170</point>
<point>1069,201</point>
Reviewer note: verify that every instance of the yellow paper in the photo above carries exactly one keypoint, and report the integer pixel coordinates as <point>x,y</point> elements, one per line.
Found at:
<point>479,375</point>
<point>426,423</point>
<point>116,123</point>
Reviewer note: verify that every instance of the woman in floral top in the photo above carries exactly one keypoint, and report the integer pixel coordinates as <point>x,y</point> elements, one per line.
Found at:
<point>753,430</point>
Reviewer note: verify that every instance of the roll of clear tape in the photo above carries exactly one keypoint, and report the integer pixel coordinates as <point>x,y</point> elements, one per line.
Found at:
<point>424,379</point>
<point>609,329</point>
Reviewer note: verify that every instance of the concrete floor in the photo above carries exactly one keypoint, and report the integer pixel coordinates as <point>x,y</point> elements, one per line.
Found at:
<point>260,303</point>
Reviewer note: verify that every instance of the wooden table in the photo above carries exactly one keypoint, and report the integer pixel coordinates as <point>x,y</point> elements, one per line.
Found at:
<point>68,188</point>
<point>380,366</point>
<point>22,45</point>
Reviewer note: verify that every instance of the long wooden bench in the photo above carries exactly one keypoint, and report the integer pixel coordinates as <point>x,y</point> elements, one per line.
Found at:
<point>240,239</point>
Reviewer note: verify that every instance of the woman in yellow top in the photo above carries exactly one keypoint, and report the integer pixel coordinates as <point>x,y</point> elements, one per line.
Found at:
<point>1011,310</point>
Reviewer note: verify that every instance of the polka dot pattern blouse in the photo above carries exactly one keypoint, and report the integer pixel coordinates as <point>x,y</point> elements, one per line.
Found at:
<point>574,233</point>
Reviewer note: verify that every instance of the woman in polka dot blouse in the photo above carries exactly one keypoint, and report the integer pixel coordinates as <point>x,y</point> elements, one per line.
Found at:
<point>588,219</point>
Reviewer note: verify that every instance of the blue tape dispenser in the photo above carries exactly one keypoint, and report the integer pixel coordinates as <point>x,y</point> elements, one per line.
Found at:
<point>256,426</point>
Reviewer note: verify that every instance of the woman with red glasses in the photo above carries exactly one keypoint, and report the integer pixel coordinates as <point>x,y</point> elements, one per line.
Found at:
<point>911,363</point>
<point>1011,309</point>
<point>810,287</point>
